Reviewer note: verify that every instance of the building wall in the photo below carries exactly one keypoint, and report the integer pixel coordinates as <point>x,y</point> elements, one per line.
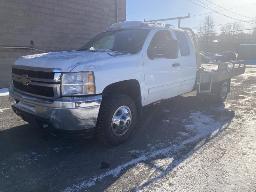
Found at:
<point>51,25</point>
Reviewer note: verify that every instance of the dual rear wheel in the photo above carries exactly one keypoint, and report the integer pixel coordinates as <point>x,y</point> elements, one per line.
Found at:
<point>221,91</point>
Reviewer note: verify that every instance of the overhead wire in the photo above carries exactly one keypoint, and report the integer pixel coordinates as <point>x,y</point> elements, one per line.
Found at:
<point>229,10</point>
<point>203,5</point>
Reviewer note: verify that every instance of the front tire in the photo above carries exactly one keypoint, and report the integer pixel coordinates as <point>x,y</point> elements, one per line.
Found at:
<point>117,119</point>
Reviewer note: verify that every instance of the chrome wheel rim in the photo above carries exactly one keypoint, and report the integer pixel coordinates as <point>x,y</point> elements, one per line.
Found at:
<point>121,121</point>
<point>224,90</point>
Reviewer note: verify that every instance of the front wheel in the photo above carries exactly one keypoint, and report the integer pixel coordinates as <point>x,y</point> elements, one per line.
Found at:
<point>117,119</point>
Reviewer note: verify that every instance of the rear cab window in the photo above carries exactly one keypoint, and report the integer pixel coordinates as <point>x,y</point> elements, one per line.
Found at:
<point>183,43</point>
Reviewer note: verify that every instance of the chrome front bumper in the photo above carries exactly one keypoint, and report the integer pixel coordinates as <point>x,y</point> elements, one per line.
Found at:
<point>71,114</point>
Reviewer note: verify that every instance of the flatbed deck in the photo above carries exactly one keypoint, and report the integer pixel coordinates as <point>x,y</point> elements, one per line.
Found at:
<point>217,72</point>
<point>210,74</point>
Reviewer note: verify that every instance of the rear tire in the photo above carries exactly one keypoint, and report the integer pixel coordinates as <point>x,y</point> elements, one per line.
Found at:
<point>117,119</point>
<point>221,92</point>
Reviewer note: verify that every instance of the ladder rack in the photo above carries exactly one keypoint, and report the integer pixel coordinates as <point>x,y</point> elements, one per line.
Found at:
<point>170,19</point>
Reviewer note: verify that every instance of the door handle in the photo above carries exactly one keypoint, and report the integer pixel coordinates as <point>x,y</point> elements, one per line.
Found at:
<point>175,65</point>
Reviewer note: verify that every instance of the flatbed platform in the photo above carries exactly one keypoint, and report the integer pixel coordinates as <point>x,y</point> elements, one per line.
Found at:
<point>213,73</point>
<point>217,72</point>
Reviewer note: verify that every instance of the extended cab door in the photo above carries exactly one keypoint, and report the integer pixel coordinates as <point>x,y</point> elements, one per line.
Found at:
<point>188,63</point>
<point>161,66</point>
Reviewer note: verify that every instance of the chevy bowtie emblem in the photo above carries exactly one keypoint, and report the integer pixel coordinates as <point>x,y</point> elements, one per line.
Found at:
<point>25,80</point>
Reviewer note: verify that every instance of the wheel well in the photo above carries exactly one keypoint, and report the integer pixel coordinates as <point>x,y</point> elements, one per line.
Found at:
<point>129,87</point>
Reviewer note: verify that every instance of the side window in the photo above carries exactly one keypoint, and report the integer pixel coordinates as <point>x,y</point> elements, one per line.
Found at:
<point>163,46</point>
<point>183,43</point>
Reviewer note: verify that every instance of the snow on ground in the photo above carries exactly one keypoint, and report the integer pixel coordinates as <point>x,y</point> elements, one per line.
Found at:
<point>4,109</point>
<point>4,92</point>
<point>201,126</point>
<point>229,176</point>
<point>117,171</point>
<point>222,166</point>
<point>234,82</point>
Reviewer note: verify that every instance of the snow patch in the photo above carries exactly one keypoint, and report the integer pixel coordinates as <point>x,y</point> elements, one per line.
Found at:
<point>117,171</point>
<point>4,109</point>
<point>235,83</point>
<point>4,92</point>
<point>163,163</point>
<point>34,56</point>
<point>202,125</point>
<point>246,76</point>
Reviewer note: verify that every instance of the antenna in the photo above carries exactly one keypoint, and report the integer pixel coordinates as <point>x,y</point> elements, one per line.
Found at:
<point>171,19</point>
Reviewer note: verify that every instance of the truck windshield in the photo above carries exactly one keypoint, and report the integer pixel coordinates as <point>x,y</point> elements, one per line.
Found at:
<point>124,41</point>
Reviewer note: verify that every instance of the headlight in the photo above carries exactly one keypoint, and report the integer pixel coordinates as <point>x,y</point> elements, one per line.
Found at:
<point>77,84</point>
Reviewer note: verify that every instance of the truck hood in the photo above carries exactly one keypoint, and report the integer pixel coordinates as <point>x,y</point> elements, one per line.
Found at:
<point>66,61</point>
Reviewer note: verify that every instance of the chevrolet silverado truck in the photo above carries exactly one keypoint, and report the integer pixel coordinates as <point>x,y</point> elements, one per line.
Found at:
<point>104,85</point>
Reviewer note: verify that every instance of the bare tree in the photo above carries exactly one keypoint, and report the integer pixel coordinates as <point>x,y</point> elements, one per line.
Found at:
<point>208,26</point>
<point>231,36</point>
<point>231,29</point>
<point>207,34</point>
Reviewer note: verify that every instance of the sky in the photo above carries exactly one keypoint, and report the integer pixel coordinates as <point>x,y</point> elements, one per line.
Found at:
<point>238,10</point>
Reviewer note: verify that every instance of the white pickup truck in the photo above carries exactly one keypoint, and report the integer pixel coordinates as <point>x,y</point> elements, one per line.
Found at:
<point>104,85</point>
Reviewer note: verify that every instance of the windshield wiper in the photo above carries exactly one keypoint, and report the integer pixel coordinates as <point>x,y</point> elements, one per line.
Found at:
<point>115,52</point>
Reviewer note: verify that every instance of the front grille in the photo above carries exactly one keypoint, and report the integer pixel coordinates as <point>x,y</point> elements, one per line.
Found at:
<point>36,81</point>
<point>34,89</point>
<point>34,74</point>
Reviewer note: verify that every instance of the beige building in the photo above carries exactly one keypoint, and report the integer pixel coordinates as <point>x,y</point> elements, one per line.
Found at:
<point>51,25</point>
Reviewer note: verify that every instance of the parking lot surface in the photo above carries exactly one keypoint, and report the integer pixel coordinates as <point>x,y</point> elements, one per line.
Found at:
<point>185,144</point>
